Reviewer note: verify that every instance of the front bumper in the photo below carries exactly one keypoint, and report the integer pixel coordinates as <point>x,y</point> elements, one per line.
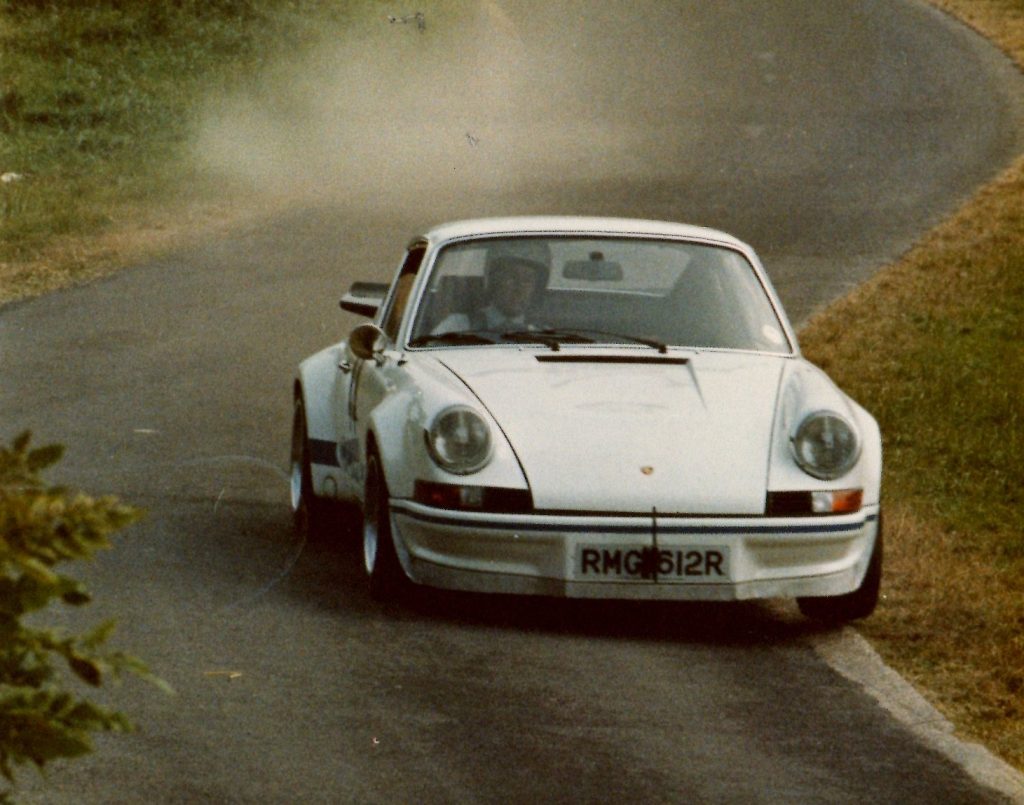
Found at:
<point>695,558</point>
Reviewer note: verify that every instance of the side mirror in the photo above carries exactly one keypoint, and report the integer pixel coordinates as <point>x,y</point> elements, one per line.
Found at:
<point>367,342</point>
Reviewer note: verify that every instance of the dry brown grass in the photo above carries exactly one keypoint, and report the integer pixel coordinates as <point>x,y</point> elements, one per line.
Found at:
<point>954,627</point>
<point>1001,21</point>
<point>136,234</point>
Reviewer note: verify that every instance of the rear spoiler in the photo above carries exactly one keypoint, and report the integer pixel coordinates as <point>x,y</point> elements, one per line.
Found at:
<point>365,298</point>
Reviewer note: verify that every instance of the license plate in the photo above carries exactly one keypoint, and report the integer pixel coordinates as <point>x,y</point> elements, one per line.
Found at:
<point>646,563</point>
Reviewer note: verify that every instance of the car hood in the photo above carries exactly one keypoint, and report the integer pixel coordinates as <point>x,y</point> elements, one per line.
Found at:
<point>631,431</point>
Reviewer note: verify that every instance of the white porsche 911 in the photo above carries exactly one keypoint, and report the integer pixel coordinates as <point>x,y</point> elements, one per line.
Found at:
<point>589,407</point>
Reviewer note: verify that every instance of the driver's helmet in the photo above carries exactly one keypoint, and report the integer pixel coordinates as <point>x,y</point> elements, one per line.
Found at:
<point>534,252</point>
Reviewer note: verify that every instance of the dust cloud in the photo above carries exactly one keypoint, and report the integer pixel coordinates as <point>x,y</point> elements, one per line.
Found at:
<point>488,95</point>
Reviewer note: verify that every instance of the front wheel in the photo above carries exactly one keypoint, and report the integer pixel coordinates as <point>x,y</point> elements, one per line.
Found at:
<point>854,605</point>
<point>387,580</point>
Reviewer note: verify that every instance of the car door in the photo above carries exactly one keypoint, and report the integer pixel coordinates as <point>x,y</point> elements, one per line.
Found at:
<point>364,383</point>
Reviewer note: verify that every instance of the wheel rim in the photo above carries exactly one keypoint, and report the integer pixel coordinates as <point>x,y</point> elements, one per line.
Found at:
<point>298,457</point>
<point>296,485</point>
<point>370,517</point>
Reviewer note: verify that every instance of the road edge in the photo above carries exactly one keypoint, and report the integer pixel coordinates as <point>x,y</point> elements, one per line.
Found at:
<point>851,655</point>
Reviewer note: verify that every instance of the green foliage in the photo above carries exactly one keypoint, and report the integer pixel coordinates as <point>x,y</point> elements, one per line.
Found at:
<point>41,527</point>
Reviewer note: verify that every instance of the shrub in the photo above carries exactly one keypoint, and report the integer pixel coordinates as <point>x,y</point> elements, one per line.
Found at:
<point>41,526</point>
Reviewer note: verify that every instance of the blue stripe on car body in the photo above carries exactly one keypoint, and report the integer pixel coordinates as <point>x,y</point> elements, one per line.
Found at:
<point>643,525</point>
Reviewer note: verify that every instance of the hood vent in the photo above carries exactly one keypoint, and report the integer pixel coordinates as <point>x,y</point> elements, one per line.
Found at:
<point>547,358</point>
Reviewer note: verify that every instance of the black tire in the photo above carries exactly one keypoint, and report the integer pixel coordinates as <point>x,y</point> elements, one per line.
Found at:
<point>387,581</point>
<point>308,511</point>
<point>858,604</point>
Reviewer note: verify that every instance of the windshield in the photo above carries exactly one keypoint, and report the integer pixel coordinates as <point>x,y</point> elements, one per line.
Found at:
<point>596,290</point>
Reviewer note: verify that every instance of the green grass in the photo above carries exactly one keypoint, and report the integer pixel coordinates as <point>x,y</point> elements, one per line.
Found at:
<point>97,100</point>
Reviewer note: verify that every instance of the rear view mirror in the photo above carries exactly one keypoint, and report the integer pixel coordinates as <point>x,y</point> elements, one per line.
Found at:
<point>596,269</point>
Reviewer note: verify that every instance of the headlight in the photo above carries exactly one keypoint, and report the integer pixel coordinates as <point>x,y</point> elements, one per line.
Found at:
<point>825,445</point>
<point>459,440</point>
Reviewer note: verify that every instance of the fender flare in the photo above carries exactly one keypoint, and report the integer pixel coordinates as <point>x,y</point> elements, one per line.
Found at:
<point>315,382</point>
<point>871,453</point>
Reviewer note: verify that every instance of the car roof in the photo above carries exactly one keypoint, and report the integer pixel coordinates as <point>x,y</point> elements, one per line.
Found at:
<point>576,225</point>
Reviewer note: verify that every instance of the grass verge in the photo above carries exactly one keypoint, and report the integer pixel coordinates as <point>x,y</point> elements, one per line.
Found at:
<point>933,347</point>
<point>95,120</point>
<point>97,108</point>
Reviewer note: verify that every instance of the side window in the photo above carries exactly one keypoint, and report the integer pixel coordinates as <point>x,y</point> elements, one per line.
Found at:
<point>403,286</point>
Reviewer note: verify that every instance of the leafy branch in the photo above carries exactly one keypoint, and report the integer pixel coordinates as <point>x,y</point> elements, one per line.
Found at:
<point>42,526</point>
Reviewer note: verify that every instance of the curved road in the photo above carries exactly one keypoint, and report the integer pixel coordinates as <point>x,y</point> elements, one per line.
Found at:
<point>826,134</point>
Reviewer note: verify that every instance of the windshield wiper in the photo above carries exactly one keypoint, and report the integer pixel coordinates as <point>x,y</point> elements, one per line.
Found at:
<point>455,337</point>
<point>568,333</point>
<point>549,337</point>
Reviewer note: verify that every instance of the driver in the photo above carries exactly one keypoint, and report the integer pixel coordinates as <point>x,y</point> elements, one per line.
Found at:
<point>512,284</point>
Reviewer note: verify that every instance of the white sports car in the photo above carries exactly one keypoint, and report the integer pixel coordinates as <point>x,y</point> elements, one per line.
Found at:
<point>589,407</point>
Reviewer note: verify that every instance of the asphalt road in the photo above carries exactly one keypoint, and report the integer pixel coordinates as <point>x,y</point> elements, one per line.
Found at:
<point>828,135</point>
